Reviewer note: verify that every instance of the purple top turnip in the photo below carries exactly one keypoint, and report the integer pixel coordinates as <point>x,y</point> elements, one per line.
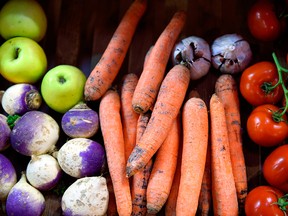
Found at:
<point>20,98</point>
<point>231,53</point>
<point>5,133</point>
<point>34,133</point>
<point>80,121</point>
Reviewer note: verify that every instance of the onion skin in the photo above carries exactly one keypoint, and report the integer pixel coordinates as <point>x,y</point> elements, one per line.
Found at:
<point>43,172</point>
<point>81,157</point>
<point>5,133</point>
<point>23,199</point>
<point>8,177</point>
<point>231,53</point>
<point>21,98</point>
<point>34,133</point>
<point>80,121</point>
<point>195,53</point>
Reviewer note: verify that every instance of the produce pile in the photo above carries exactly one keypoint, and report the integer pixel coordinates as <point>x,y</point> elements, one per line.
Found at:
<point>163,149</point>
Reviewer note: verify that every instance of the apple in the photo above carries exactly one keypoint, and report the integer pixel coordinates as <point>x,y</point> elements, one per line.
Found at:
<point>25,18</point>
<point>62,87</point>
<point>22,60</point>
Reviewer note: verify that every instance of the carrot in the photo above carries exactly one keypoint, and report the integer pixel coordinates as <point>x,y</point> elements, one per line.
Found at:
<point>162,174</point>
<point>112,207</point>
<point>169,101</point>
<point>140,179</point>
<point>106,70</point>
<point>195,142</point>
<point>226,89</point>
<point>128,115</point>
<point>223,186</point>
<point>154,71</point>
<point>111,127</point>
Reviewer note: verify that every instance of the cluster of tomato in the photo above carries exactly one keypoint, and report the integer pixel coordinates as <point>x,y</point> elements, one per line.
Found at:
<point>264,86</point>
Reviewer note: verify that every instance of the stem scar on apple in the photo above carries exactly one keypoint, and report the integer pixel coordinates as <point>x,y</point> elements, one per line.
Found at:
<point>17,51</point>
<point>62,79</point>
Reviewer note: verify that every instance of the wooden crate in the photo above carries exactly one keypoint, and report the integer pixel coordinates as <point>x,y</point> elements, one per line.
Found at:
<point>79,31</point>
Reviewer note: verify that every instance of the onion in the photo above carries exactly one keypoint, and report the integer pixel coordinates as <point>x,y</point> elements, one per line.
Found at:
<point>195,53</point>
<point>43,172</point>
<point>34,133</point>
<point>23,199</point>
<point>5,133</point>
<point>81,157</point>
<point>86,196</point>
<point>231,53</point>
<point>20,98</point>
<point>80,121</point>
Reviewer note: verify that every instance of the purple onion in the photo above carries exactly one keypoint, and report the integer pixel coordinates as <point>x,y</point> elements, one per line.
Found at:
<point>80,121</point>
<point>34,133</point>
<point>23,199</point>
<point>5,133</point>
<point>195,53</point>
<point>231,53</point>
<point>8,177</point>
<point>21,98</point>
<point>81,157</point>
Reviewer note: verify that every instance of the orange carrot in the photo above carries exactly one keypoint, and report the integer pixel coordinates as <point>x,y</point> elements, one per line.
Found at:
<point>195,142</point>
<point>226,89</point>
<point>128,115</point>
<point>223,186</point>
<point>111,127</point>
<point>154,71</point>
<point>140,179</point>
<point>112,207</point>
<point>106,70</point>
<point>169,101</point>
<point>162,174</point>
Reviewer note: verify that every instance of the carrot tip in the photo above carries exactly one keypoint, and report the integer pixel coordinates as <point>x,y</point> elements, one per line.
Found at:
<point>138,109</point>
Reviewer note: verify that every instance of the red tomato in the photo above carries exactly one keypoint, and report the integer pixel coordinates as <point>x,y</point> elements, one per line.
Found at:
<point>263,22</point>
<point>263,129</point>
<point>275,168</point>
<point>252,80</point>
<point>262,200</point>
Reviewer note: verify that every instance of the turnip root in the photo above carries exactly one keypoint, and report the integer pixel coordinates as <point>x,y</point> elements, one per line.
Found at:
<point>5,133</point>
<point>80,121</point>
<point>21,98</point>
<point>81,157</point>
<point>86,196</point>
<point>43,172</point>
<point>23,199</point>
<point>195,53</point>
<point>34,133</point>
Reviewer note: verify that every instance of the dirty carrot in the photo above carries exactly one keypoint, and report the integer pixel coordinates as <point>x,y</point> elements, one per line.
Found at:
<point>169,101</point>
<point>224,194</point>
<point>140,179</point>
<point>162,174</point>
<point>106,70</point>
<point>111,126</point>
<point>195,141</point>
<point>226,89</point>
<point>128,115</point>
<point>154,71</point>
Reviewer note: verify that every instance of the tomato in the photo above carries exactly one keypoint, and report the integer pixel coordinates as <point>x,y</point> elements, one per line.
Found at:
<point>263,22</point>
<point>253,81</point>
<point>275,168</point>
<point>263,129</point>
<point>262,200</point>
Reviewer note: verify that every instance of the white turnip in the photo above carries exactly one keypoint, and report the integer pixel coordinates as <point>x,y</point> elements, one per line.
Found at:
<point>86,196</point>
<point>5,133</point>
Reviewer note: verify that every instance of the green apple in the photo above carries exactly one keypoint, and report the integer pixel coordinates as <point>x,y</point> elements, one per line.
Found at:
<point>25,18</point>
<point>22,60</point>
<point>62,87</point>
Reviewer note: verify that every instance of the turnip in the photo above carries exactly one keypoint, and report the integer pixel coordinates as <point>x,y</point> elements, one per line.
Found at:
<point>34,133</point>
<point>5,133</point>
<point>24,199</point>
<point>231,53</point>
<point>80,121</point>
<point>20,98</point>
<point>86,196</point>
<point>43,172</point>
<point>81,157</point>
